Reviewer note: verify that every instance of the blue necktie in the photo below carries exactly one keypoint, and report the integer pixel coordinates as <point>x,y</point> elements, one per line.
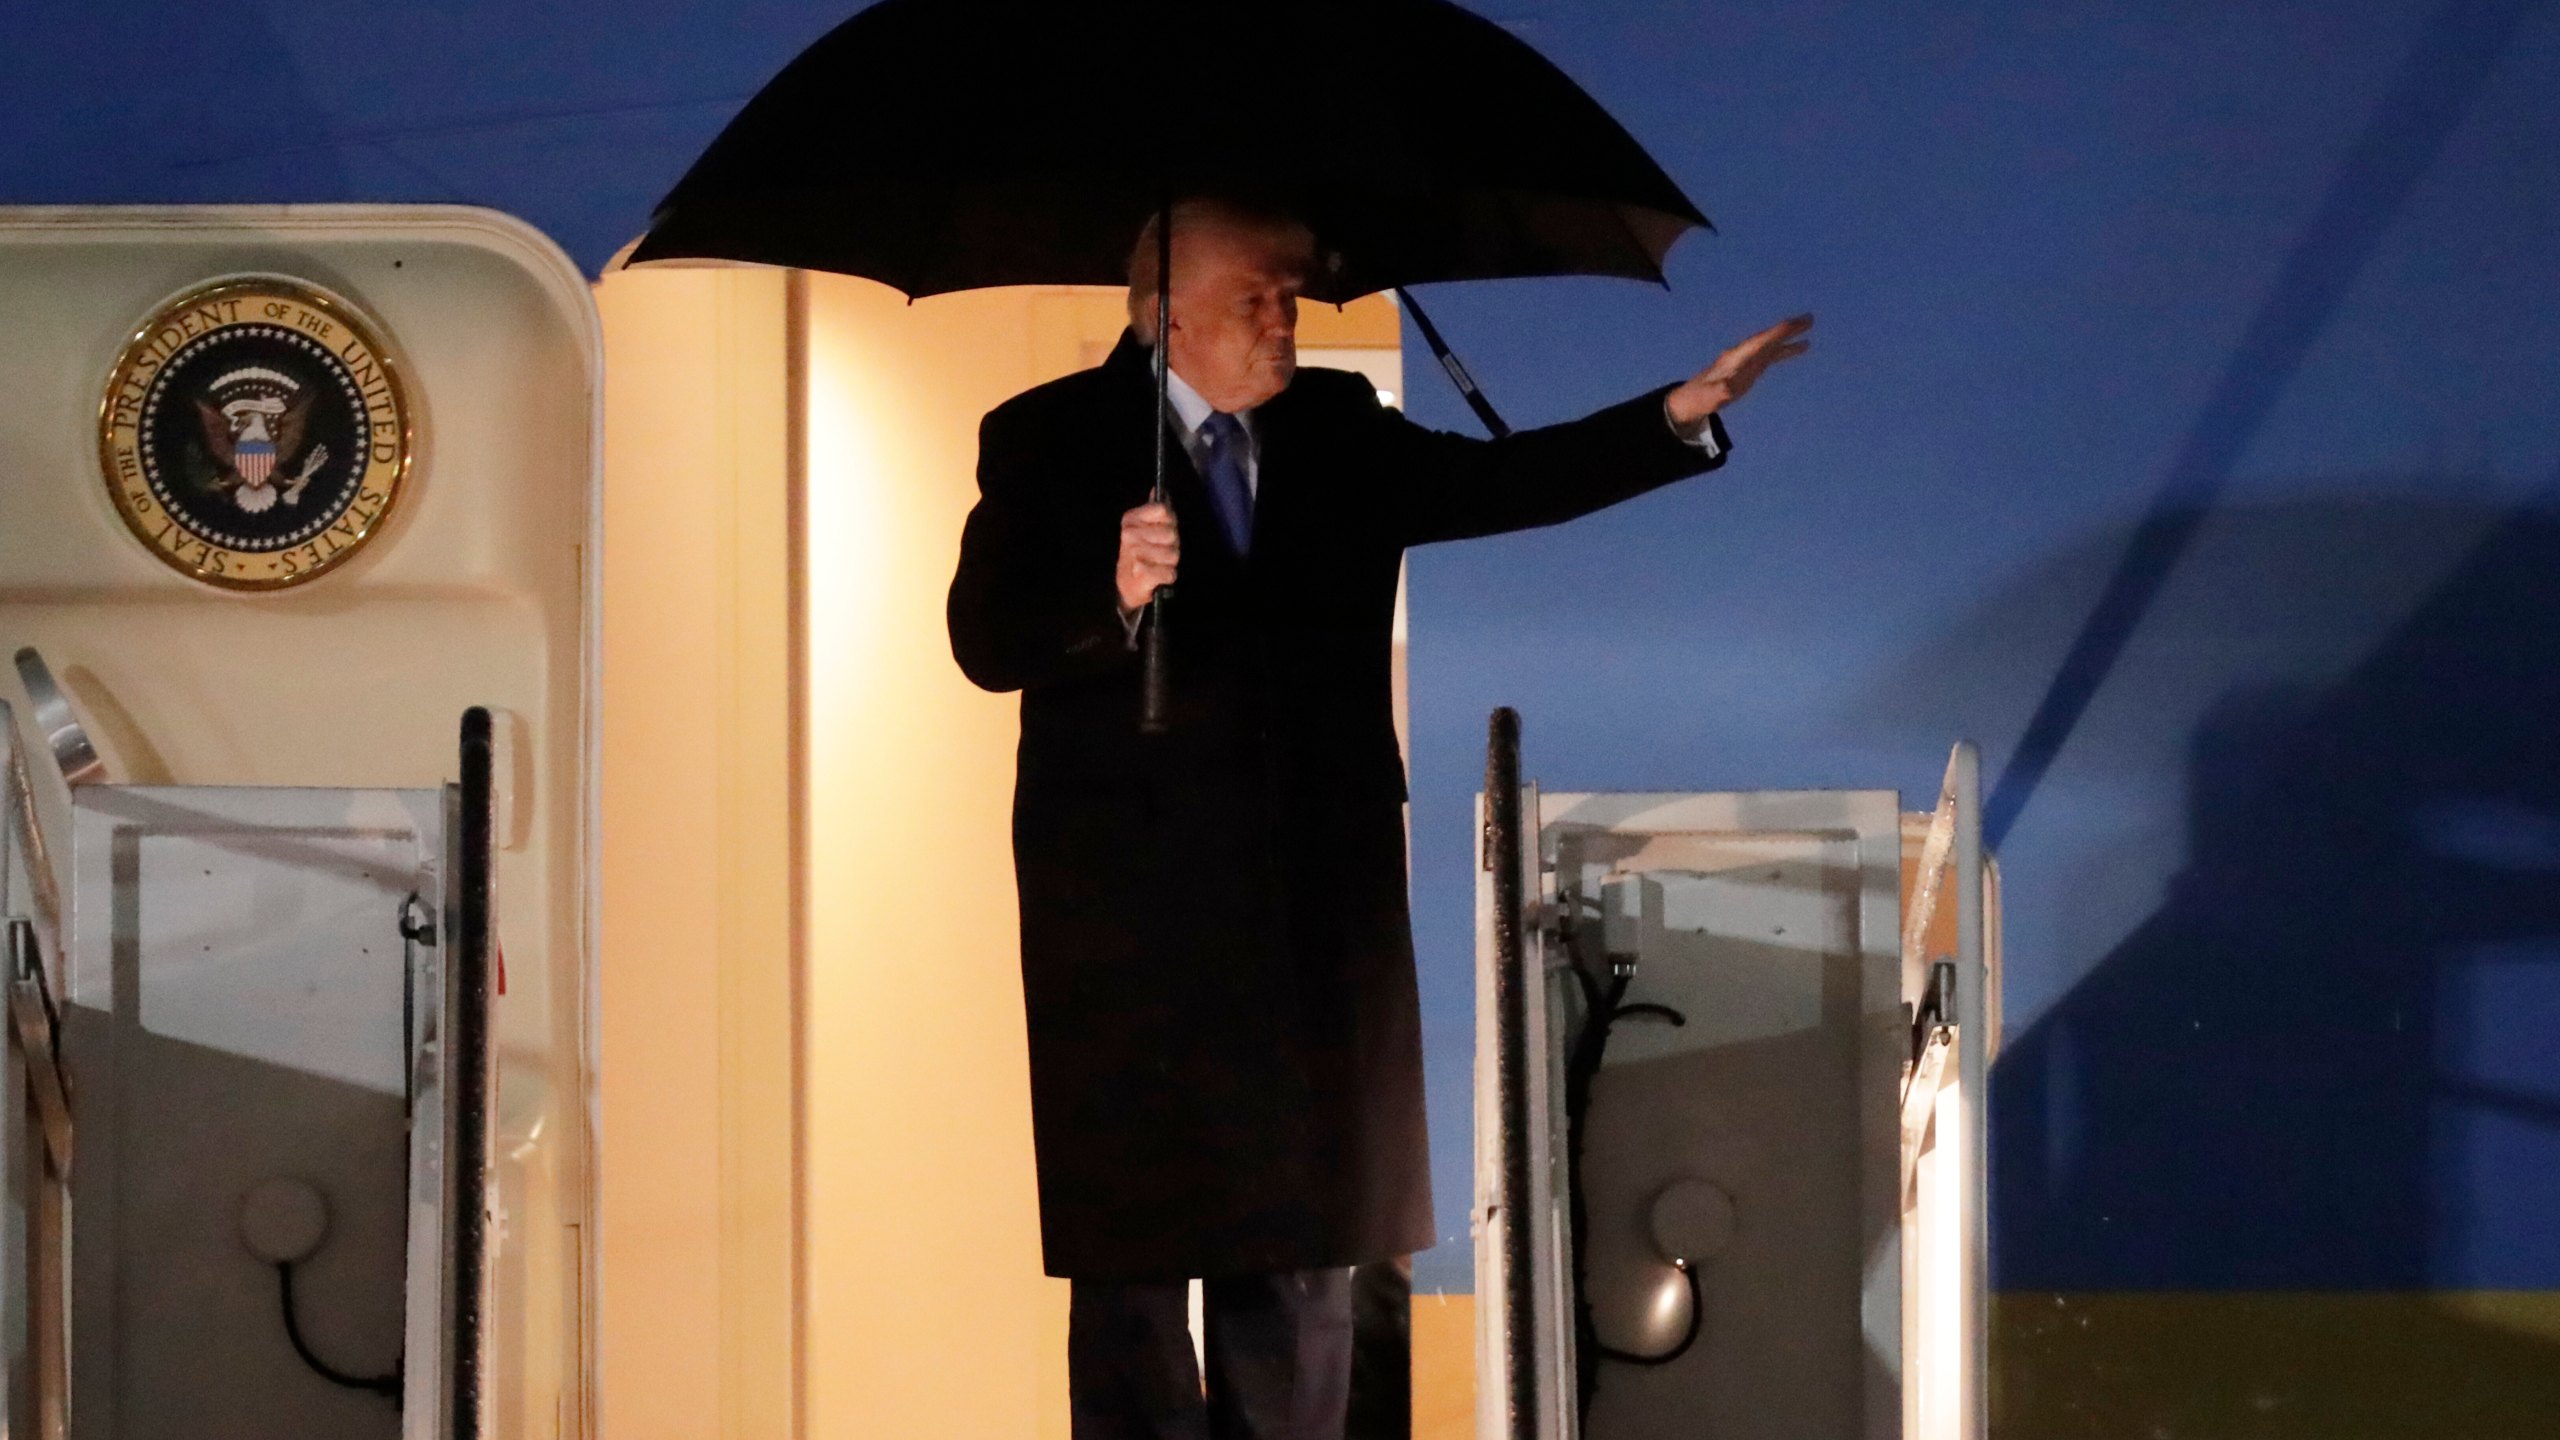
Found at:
<point>1225,476</point>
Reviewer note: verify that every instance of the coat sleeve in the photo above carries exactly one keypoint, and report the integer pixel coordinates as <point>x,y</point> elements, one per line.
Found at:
<point>1440,486</point>
<point>1032,602</point>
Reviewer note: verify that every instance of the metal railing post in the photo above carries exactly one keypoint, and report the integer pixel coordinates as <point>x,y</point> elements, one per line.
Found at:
<point>1973,1061</point>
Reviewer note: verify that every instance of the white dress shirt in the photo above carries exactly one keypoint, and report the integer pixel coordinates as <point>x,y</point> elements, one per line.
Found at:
<point>1194,413</point>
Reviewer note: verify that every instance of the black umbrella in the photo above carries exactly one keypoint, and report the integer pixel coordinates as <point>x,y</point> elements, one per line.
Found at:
<point>939,145</point>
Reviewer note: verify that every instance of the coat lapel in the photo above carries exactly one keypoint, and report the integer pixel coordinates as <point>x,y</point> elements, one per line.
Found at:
<point>1278,487</point>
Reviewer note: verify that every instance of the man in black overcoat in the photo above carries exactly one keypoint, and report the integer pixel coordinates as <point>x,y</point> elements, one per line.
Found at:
<point>1226,1055</point>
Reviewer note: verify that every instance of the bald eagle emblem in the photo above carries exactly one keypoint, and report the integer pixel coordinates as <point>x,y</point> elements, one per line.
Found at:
<point>254,421</point>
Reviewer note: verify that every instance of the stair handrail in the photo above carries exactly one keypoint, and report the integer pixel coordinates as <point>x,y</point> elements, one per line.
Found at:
<point>22,834</point>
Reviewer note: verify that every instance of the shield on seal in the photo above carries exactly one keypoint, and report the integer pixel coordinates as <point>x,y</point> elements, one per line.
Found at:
<point>254,461</point>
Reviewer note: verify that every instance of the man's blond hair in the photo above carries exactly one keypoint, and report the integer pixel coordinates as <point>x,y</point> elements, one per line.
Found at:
<point>1198,211</point>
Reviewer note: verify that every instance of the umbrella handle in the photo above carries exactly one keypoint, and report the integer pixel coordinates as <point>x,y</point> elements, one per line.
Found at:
<point>1155,676</point>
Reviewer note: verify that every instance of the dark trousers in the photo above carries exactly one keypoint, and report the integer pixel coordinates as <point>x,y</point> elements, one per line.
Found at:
<point>1278,1347</point>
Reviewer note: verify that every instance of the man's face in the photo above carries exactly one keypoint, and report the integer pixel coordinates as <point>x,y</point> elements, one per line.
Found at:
<point>1235,309</point>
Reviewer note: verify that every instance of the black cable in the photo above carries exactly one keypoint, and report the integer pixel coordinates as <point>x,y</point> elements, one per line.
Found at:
<point>387,1386</point>
<point>1602,1010</point>
<point>1582,1065</point>
<point>417,927</point>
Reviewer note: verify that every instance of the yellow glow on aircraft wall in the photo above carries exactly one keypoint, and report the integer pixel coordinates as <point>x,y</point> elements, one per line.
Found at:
<point>927,1310</point>
<point>916,1290</point>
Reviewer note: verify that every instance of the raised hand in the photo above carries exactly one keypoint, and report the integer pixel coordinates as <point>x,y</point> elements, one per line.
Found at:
<point>1736,371</point>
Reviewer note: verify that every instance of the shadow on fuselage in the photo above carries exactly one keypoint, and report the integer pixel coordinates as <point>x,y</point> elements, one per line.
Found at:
<point>2244,1162</point>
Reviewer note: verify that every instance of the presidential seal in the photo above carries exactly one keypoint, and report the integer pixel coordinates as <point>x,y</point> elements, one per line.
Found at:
<point>254,433</point>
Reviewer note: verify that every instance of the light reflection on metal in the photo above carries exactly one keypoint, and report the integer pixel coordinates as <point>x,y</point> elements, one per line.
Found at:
<point>24,835</point>
<point>73,755</point>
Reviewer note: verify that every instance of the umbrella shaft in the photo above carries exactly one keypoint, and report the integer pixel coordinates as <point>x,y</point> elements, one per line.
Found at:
<point>1155,680</point>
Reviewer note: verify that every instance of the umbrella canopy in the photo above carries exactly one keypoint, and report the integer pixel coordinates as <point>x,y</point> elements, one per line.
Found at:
<point>940,145</point>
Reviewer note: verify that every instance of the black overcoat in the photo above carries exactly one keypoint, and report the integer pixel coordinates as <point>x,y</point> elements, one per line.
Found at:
<point>1226,1055</point>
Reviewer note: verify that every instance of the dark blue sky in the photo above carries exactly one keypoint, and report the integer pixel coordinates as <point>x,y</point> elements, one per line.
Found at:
<point>2180,426</point>
<point>2177,364</point>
